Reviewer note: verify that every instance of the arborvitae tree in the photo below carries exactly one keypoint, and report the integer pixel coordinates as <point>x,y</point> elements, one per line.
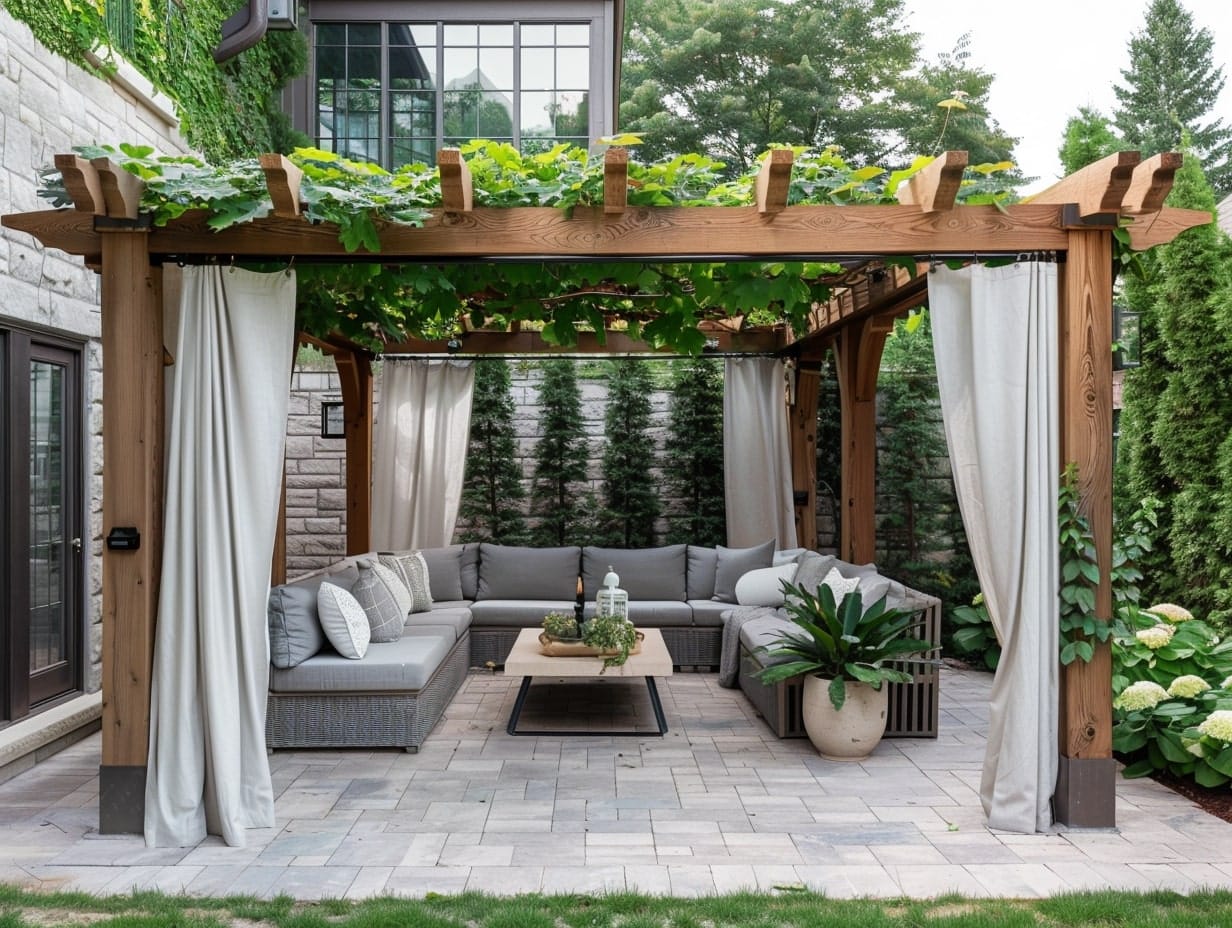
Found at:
<point>920,529</point>
<point>1171,87</point>
<point>630,495</point>
<point>1088,137</point>
<point>558,491</point>
<point>1179,432</point>
<point>693,459</point>
<point>492,493</point>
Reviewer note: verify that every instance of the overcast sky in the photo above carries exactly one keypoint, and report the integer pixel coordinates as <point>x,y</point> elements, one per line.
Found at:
<point>1052,56</point>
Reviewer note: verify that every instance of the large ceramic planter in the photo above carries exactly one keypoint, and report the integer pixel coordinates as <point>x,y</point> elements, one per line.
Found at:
<point>849,733</point>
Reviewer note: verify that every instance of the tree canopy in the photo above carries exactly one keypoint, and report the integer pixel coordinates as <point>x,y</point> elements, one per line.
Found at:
<point>1171,86</point>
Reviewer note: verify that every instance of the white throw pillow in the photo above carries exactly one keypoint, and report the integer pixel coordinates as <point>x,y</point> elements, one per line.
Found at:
<point>788,555</point>
<point>764,586</point>
<point>839,585</point>
<point>344,621</point>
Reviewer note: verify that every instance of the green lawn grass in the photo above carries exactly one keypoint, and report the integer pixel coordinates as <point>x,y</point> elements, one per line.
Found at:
<point>788,909</point>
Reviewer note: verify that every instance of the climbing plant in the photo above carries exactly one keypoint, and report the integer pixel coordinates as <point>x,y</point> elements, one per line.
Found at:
<point>228,110</point>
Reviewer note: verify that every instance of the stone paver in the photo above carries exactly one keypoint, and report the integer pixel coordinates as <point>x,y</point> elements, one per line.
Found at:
<point>717,805</point>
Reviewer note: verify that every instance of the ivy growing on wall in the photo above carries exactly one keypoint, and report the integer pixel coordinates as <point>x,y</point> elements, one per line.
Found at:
<point>227,110</point>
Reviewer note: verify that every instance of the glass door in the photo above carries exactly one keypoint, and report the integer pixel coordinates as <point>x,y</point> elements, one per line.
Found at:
<point>44,506</point>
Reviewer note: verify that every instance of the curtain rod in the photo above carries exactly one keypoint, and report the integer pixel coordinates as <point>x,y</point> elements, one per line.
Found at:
<point>569,356</point>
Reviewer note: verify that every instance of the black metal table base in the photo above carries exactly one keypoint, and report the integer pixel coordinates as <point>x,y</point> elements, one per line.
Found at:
<point>655,704</point>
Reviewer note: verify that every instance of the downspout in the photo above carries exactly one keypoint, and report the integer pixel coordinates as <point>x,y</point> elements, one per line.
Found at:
<point>243,29</point>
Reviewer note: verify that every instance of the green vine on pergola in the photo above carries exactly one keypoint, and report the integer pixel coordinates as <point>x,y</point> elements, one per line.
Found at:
<point>661,303</point>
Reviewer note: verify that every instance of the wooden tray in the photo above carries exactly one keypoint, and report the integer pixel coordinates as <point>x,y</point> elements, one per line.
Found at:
<point>563,647</point>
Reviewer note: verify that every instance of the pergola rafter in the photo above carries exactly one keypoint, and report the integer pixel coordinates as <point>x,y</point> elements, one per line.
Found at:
<point>1074,218</point>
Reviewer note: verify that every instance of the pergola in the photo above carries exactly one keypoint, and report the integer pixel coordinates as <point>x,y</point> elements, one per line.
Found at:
<point>1074,219</point>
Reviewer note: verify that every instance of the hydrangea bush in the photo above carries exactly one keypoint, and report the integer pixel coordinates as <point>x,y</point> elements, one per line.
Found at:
<point>1172,682</point>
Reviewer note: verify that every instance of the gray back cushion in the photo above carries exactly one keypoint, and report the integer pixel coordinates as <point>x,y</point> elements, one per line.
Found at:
<point>294,629</point>
<point>444,572</point>
<point>702,563</point>
<point>734,563</point>
<point>516,572</point>
<point>645,573</point>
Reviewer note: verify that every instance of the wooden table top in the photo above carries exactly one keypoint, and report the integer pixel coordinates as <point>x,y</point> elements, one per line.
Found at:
<point>526,661</point>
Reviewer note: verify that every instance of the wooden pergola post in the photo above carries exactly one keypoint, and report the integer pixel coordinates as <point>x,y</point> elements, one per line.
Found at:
<point>857,356</point>
<point>132,500</point>
<point>355,374</point>
<point>1086,781</point>
<point>802,430</point>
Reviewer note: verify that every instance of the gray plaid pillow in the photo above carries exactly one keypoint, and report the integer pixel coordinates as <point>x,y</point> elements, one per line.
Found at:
<point>375,592</point>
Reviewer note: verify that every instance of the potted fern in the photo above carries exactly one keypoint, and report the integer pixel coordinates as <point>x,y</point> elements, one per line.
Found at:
<point>845,651</point>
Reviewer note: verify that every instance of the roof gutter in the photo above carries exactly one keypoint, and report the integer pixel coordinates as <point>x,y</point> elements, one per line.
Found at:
<point>243,29</point>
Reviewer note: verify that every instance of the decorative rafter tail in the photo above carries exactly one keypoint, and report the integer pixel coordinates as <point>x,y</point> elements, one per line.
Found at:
<point>774,180</point>
<point>457,192</point>
<point>121,190</point>
<point>1098,188</point>
<point>282,178</point>
<point>81,182</point>
<point>1152,182</point>
<point>934,188</point>
<point>615,180</point>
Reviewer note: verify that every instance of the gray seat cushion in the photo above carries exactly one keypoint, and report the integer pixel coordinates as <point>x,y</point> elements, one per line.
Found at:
<point>734,563</point>
<point>516,613</point>
<point>518,572</point>
<point>707,613</point>
<point>656,613</point>
<point>645,573</point>
<point>404,665</point>
<point>457,619</point>
<point>758,633</point>
<point>702,564</point>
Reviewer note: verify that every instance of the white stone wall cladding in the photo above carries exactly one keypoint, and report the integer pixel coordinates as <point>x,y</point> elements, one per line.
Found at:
<point>48,105</point>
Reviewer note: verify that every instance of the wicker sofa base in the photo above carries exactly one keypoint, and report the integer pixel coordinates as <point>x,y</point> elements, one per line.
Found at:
<point>913,709</point>
<point>379,719</point>
<point>689,647</point>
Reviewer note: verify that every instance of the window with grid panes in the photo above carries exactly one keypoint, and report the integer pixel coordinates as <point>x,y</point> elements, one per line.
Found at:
<point>395,92</point>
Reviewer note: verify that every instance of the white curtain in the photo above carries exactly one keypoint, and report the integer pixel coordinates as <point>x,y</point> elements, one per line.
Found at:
<point>756,454</point>
<point>230,333</point>
<point>995,339</point>
<point>419,446</point>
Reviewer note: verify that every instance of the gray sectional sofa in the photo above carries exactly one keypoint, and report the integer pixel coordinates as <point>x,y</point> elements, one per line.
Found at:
<point>482,595</point>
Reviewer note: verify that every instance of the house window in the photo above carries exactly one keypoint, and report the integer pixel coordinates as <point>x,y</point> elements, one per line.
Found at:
<point>395,92</point>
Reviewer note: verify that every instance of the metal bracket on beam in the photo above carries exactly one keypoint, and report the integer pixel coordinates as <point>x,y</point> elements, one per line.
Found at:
<point>142,223</point>
<point>1072,218</point>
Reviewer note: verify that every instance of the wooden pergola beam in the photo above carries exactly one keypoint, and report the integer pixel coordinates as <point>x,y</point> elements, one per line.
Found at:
<point>615,180</point>
<point>121,190</point>
<point>1152,182</point>
<point>282,179</point>
<point>81,182</point>
<point>935,187</point>
<point>774,181</point>
<point>1098,188</point>
<point>457,188</point>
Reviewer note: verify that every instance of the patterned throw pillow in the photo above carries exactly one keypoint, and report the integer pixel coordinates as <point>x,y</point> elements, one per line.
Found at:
<point>411,568</point>
<point>344,621</point>
<point>839,585</point>
<point>384,599</point>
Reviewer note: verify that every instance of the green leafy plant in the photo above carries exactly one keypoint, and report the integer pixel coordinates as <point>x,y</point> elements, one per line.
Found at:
<point>1080,628</point>
<point>610,633</point>
<point>840,642</point>
<point>561,625</point>
<point>973,635</point>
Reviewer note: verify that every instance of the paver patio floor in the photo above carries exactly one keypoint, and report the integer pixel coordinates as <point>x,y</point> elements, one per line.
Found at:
<point>717,804</point>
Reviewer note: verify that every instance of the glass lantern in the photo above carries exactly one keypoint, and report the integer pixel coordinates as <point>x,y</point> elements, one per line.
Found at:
<point>611,599</point>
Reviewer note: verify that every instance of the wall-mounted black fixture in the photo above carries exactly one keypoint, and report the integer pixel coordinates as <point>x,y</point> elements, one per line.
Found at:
<point>123,538</point>
<point>333,425</point>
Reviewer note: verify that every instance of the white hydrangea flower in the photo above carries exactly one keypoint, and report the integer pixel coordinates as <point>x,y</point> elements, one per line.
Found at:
<point>1188,686</point>
<point>1155,637</point>
<point>1171,612</point>
<point>1226,684</point>
<point>1144,694</point>
<point>1218,725</point>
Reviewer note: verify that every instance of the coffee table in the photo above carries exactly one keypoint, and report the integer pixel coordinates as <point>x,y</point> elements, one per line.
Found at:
<point>526,661</point>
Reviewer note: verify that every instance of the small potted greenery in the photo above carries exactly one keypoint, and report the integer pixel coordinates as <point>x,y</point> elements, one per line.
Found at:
<point>561,626</point>
<point>844,650</point>
<point>611,636</point>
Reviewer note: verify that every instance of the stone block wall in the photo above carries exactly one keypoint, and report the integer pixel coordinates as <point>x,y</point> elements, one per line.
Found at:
<point>48,105</point>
